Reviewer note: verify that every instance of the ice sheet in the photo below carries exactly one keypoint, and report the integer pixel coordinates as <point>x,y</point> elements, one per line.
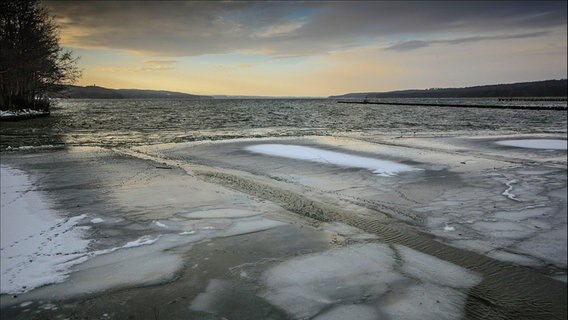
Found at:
<point>221,213</point>
<point>143,261</point>
<point>354,311</point>
<point>335,282</point>
<point>39,245</point>
<point>424,301</point>
<point>547,144</point>
<point>379,167</point>
<point>230,300</point>
<point>434,270</point>
<point>348,231</point>
<point>511,215</point>
<point>304,286</point>
<point>137,263</point>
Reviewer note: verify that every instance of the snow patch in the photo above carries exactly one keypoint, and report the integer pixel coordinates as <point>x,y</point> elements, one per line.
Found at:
<point>97,220</point>
<point>546,144</point>
<point>160,224</point>
<point>448,228</point>
<point>507,193</point>
<point>380,167</point>
<point>38,245</point>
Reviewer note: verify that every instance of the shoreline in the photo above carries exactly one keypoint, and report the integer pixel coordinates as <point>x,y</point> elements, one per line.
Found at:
<point>22,115</point>
<point>443,105</point>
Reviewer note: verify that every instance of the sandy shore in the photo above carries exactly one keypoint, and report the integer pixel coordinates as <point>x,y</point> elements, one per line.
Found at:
<point>304,228</point>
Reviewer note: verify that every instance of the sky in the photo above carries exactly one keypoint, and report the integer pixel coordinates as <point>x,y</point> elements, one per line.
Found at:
<point>312,48</point>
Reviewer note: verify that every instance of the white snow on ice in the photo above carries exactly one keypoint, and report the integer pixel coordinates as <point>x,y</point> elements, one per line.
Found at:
<point>546,144</point>
<point>448,228</point>
<point>507,193</point>
<point>160,224</point>
<point>97,220</point>
<point>38,245</point>
<point>379,167</point>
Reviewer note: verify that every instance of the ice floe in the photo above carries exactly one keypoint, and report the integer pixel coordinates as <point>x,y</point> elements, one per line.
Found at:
<point>392,279</point>
<point>221,213</point>
<point>436,271</point>
<point>379,167</point>
<point>138,263</point>
<point>546,144</point>
<point>143,261</point>
<point>352,311</point>
<point>228,300</point>
<point>38,244</point>
<point>348,231</point>
<point>97,220</point>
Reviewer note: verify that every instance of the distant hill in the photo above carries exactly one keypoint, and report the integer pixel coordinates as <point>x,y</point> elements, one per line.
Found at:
<point>547,88</point>
<point>95,92</point>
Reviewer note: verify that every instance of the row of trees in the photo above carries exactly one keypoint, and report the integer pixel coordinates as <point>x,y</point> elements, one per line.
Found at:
<point>32,63</point>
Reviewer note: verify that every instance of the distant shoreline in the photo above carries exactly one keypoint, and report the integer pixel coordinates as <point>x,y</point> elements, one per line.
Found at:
<point>450,105</point>
<point>546,88</point>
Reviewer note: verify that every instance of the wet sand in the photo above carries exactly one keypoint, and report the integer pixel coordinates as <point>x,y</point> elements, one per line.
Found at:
<point>208,230</point>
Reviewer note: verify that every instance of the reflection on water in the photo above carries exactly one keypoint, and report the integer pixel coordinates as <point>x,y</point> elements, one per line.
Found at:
<point>119,122</point>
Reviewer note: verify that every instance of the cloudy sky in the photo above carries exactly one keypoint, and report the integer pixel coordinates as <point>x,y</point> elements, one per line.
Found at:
<point>313,48</point>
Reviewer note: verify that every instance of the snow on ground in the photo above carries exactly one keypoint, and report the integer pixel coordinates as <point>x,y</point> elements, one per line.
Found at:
<point>369,280</point>
<point>38,245</point>
<point>547,144</point>
<point>379,167</point>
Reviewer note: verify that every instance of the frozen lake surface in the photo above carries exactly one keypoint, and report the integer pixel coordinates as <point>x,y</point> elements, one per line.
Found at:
<point>302,209</point>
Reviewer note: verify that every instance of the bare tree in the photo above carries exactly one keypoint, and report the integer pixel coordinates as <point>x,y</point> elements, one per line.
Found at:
<point>32,63</point>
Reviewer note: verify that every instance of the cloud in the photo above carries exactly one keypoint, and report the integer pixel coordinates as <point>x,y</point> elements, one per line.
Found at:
<point>281,29</point>
<point>174,28</point>
<point>417,44</point>
<point>148,66</point>
<point>228,68</point>
<point>161,62</point>
<point>409,45</point>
